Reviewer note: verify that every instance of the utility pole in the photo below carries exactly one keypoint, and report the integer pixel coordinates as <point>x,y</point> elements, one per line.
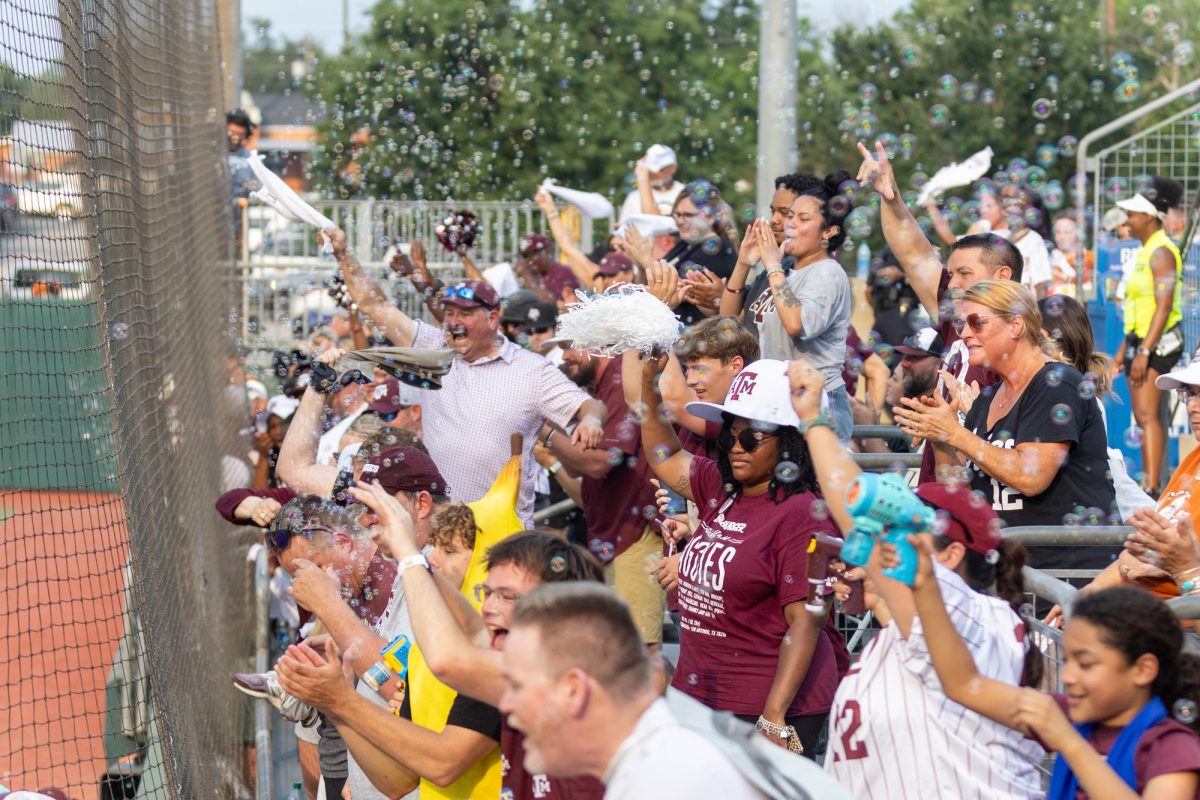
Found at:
<point>345,24</point>
<point>777,66</point>
<point>229,18</point>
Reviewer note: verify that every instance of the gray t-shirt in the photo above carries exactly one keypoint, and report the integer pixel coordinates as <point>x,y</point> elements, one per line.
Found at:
<point>825,305</point>
<point>395,620</point>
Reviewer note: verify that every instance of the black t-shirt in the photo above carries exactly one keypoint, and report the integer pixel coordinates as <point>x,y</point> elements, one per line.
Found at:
<point>1053,408</point>
<point>466,712</point>
<point>714,253</point>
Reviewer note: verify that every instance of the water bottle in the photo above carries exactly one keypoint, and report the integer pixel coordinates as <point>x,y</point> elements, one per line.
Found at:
<point>864,260</point>
<point>297,793</point>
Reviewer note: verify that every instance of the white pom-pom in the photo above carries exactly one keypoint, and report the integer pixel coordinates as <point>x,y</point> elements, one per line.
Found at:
<point>623,318</point>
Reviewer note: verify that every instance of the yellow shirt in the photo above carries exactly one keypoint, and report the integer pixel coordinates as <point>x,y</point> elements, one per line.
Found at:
<point>1139,289</point>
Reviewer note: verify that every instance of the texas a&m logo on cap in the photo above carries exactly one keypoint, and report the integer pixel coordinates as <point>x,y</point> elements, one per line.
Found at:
<point>744,383</point>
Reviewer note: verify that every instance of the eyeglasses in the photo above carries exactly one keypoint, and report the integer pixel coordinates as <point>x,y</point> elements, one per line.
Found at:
<point>279,538</point>
<point>748,438</point>
<point>483,592</point>
<point>684,215</point>
<point>1187,393</point>
<point>974,320</point>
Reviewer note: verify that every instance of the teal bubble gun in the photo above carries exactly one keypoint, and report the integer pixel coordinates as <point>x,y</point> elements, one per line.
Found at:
<point>883,507</point>
<point>393,661</point>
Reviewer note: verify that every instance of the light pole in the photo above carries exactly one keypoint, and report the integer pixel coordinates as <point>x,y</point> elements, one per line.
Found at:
<point>777,66</point>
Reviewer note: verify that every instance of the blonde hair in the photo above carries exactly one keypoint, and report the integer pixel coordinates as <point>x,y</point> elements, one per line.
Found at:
<point>1011,300</point>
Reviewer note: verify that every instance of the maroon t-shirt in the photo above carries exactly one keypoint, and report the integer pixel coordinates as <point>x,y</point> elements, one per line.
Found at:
<point>557,278</point>
<point>954,361</point>
<point>706,447</point>
<point>1166,747</point>
<point>856,353</point>
<point>614,506</point>
<point>747,560</point>
<point>517,784</point>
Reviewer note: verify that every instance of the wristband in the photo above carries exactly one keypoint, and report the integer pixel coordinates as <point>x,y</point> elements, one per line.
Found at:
<point>554,468</point>
<point>732,290</point>
<point>786,732</point>
<point>415,560</point>
<point>777,270</point>
<point>822,419</point>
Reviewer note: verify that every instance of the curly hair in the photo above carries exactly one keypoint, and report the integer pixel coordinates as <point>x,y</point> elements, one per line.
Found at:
<point>824,189</point>
<point>792,448</point>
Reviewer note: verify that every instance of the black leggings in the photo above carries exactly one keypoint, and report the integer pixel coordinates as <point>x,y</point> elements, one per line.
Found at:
<point>811,729</point>
<point>333,787</point>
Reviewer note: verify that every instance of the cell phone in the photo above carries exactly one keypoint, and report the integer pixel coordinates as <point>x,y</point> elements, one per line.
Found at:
<point>676,503</point>
<point>260,422</point>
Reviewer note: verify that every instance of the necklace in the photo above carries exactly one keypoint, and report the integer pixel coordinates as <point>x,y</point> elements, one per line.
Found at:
<point>1010,397</point>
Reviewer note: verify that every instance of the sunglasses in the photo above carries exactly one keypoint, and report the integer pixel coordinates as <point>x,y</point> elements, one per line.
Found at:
<point>1187,393</point>
<point>975,321</point>
<point>279,538</point>
<point>748,438</point>
<point>465,292</point>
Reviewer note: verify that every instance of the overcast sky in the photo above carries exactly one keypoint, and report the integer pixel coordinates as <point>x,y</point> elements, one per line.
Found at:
<point>322,19</point>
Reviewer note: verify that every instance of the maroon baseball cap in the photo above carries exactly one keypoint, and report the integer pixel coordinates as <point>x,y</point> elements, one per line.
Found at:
<point>392,396</point>
<point>471,294</point>
<point>534,243</point>
<point>970,518</point>
<point>614,263</point>
<point>404,469</point>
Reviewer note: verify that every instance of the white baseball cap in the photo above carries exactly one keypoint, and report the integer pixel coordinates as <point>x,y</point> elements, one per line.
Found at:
<point>759,393</point>
<point>282,406</point>
<point>659,157</point>
<point>1139,203</point>
<point>1188,376</point>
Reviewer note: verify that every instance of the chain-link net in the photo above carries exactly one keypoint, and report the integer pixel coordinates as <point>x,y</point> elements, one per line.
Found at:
<point>124,601</point>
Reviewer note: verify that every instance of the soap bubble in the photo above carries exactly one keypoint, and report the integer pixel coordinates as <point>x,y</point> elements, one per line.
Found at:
<point>1120,63</point>
<point>1132,437</point>
<point>992,556</point>
<point>858,223</point>
<point>1060,414</point>
<point>908,144</point>
<point>1046,155</point>
<point>910,55</point>
<point>1183,53</point>
<point>1042,108</point>
<point>947,85</point>
<point>120,331</point>
<point>969,92</point>
<point>1151,14</point>
<point>867,92</point>
<point>558,564</point>
<point>786,472</point>
<point>939,115</point>
<point>1127,90</point>
<point>1184,711</point>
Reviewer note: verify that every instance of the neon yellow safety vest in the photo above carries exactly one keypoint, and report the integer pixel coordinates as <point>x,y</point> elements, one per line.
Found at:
<point>1139,289</point>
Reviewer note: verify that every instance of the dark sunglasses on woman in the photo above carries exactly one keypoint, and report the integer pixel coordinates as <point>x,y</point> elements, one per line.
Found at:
<point>748,438</point>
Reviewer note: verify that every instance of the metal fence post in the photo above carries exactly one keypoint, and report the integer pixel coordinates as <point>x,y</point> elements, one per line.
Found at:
<point>264,789</point>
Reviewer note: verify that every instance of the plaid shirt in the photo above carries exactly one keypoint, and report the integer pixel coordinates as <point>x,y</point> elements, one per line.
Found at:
<point>469,422</point>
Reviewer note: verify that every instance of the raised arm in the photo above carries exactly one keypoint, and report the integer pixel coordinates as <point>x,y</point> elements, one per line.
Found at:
<point>298,466</point>
<point>920,260</point>
<point>960,679</point>
<point>672,465</point>
<point>787,305</point>
<point>583,267</point>
<point>733,299</point>
<point>465,665</point>
<point>645,191</point>
<point>372,302</point>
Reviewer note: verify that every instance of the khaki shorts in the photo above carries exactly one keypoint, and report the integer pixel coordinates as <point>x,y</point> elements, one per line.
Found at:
<point>629,573</point>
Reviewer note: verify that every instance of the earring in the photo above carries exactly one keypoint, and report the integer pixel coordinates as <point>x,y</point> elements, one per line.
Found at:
<point>825,244</point>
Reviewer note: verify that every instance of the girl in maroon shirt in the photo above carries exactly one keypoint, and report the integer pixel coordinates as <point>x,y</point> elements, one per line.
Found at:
<point>1124,675</point>
<point>747,644</point>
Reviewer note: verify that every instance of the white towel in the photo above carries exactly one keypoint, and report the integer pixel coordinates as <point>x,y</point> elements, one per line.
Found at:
<point>958,174</point>
<point>594,205</point>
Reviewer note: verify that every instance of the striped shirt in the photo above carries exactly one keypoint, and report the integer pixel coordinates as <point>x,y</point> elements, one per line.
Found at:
<point>893,734</point>
<point>468,423</point>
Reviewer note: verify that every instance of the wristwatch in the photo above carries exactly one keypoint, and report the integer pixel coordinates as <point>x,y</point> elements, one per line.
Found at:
<point>415,560</point>
<point>1143,351</point>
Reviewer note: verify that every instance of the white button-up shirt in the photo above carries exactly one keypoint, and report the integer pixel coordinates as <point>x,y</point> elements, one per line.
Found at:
<point>469,422</point>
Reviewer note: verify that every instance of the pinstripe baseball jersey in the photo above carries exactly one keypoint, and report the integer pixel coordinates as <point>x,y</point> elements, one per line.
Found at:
<point>893,734</point>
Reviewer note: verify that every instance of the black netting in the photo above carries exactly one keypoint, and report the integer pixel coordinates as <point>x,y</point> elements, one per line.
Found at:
<point>125,601</point>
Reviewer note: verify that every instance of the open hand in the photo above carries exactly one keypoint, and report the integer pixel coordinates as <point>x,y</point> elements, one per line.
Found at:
<point>313,677</point>
<point>395,534</point>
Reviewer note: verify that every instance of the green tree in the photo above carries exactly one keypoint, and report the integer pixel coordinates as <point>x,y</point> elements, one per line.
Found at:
<point>466,99</point>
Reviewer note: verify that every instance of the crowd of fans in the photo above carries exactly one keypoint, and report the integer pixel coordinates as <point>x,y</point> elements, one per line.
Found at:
<point>445,649</point>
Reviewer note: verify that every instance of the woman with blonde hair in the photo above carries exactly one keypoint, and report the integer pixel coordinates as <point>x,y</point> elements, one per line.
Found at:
<point>1034,443</point>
